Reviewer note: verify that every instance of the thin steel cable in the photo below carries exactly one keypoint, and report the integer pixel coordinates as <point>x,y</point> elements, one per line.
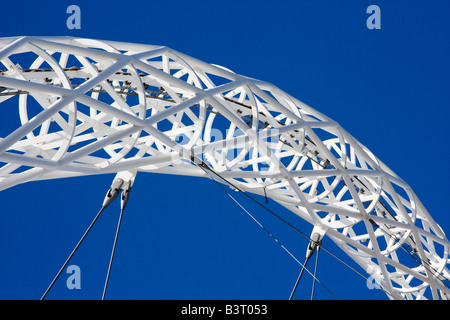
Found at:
<point>315,272</point>
<point>298,279</point>
<point>274,238</point>
<point>204,167</point>
<point>72,253</point>
<point>112,254</point>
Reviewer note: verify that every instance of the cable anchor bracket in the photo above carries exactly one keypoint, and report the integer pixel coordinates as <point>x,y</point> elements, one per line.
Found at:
<point>122,181</point>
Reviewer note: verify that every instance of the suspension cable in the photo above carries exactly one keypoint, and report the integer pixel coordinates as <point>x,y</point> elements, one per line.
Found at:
<point>298,278</point>
<point>110,196</point>
<point>315,242</point>
<point>315,272</point>
<point>208,170</point>
<point>73,252</point>
<point>123,202</point>
<point>272,236</point>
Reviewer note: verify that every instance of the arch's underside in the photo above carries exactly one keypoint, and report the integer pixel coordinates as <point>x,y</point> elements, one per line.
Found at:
<point>91,107</point>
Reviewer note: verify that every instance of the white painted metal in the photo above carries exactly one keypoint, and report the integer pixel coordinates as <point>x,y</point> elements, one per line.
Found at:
<point>92,107</point>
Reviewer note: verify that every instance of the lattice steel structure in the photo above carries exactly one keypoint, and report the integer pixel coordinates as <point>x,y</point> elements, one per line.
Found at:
<point>91,107</point>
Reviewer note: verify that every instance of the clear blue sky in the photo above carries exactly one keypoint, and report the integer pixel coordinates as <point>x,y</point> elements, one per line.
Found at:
<point>183,238</point>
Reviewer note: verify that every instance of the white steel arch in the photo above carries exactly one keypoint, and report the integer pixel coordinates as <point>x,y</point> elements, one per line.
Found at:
<point>92,107</point>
